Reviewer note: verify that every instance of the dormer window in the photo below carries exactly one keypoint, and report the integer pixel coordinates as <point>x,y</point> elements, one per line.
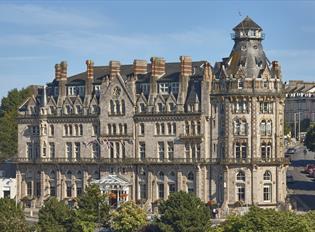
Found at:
<point>163,88</point>
<point>240,84</point>
<point>141,107</point>
<point>174,87</point>
<point>160,107</point>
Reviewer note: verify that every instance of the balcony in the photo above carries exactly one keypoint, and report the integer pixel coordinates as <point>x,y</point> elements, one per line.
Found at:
<point>194,137</point>
<point>156,161</point>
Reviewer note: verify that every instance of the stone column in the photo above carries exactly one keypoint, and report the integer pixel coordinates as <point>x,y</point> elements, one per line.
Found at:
<point>149,186</point>
<point>166,190</point>
<point>43,186</point>
<point>18,185</point>
<point>59,186</point>
<point>197,182</point>
<point>179,181</point>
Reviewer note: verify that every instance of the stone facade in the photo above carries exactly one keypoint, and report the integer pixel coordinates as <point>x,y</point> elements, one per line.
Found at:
<point>214,131</point>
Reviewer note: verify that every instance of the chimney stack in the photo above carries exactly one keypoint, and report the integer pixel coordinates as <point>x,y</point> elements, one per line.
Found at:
<point>90,69</point>
<point>276,68</point>
<point>114,68</point>
<point>158,66</point>
<point>140,67</point>
<point>64,67</point>
<point>90,77</point>
<point>185,65</point>
<point>57,72</point>
<point>62,81</point>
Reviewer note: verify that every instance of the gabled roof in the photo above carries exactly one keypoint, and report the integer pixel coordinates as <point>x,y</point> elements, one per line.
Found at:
<point>246,24</point>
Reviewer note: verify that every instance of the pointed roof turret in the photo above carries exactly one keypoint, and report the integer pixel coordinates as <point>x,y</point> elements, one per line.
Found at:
<point>246,24</point>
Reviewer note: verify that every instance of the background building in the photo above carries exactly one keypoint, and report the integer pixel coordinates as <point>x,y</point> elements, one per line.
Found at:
<point>300,105</point>
<point>7,180</point>
<point>144,130</point>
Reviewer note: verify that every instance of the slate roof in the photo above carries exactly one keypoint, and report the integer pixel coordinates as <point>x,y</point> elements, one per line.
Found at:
<point>172,73</point>
<point>246,24</point>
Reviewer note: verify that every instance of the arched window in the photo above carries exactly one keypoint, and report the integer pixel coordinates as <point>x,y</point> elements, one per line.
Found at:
<point>157,129</point>
<point>267,176</point>
<point>69,175</point>
<point>111,107</point>
<point>123,106</point>
<point>240,176</point>
<point>172,182</point>
<point>109,129</point>
<point>52,183</point>
<point>268,127</point>
<point>266,151</point>
<point>79,183</point>
<point>161,176</point>
<point>114,129</point>
<point>120,129</point>
<point>117,103</point>
<point>80,129</point>
<point>76,130</point>
<point>51,130</point>
<point>190,176</point>
<point>125,128</point>
<point>190,182</point>
<point>96,175</point>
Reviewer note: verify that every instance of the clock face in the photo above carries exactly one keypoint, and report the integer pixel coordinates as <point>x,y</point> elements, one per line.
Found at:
<point>116,91</point>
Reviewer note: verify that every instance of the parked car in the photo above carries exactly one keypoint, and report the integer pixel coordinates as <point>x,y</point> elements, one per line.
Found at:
<point>291,150</point>
<point>309,167</point>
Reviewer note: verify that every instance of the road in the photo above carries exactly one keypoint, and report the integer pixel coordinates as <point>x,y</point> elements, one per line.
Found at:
<point>302,189</point>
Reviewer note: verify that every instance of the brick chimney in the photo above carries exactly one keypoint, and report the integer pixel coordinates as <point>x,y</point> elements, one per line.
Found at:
<point>90,77</point>
<point>90,69</point>
<point>276,68</point>
<point>140,67</point>
<point>57,72</point>
<point>62,80</point>
<point>158,66</point>
<point>114,68</point>
<point>185,65</point>
<point>64,67</point>
<point>185,73</point>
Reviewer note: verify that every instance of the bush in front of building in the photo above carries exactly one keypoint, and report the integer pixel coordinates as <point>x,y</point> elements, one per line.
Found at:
<point>128,217</point>
<point>12,216</point>
<point>183,212</point>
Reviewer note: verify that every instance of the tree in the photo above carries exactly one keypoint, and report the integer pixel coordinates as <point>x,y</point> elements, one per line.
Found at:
<point>54,216</point>
<point>8,126</point>
<point>93,205</point>
<point>184,212</point>
<point>11,216</point>
<point>128,218</point>
<point>309,140</point>
<point>264,220</point>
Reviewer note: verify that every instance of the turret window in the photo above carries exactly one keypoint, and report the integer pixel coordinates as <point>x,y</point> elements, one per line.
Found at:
<point>266,128</point>
<point>240,127</point>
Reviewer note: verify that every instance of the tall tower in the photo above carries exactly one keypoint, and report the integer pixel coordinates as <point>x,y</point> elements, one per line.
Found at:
<point>248,93</point>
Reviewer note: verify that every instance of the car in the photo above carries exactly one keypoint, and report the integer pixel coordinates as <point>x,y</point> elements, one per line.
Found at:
<point>309,167</point>
<point>291,150</point>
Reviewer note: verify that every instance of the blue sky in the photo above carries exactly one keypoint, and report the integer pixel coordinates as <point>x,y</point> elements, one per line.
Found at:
<point>35,35</point>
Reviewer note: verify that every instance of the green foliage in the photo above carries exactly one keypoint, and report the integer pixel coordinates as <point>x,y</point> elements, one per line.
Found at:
<point>309,140</point>
<point>11,216</point>
<point>8,125</point>
<point>184,212</point>
<point>54,216</point>
<point>267,220</point>
<point>93,205</point>
<point>128,218</point>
